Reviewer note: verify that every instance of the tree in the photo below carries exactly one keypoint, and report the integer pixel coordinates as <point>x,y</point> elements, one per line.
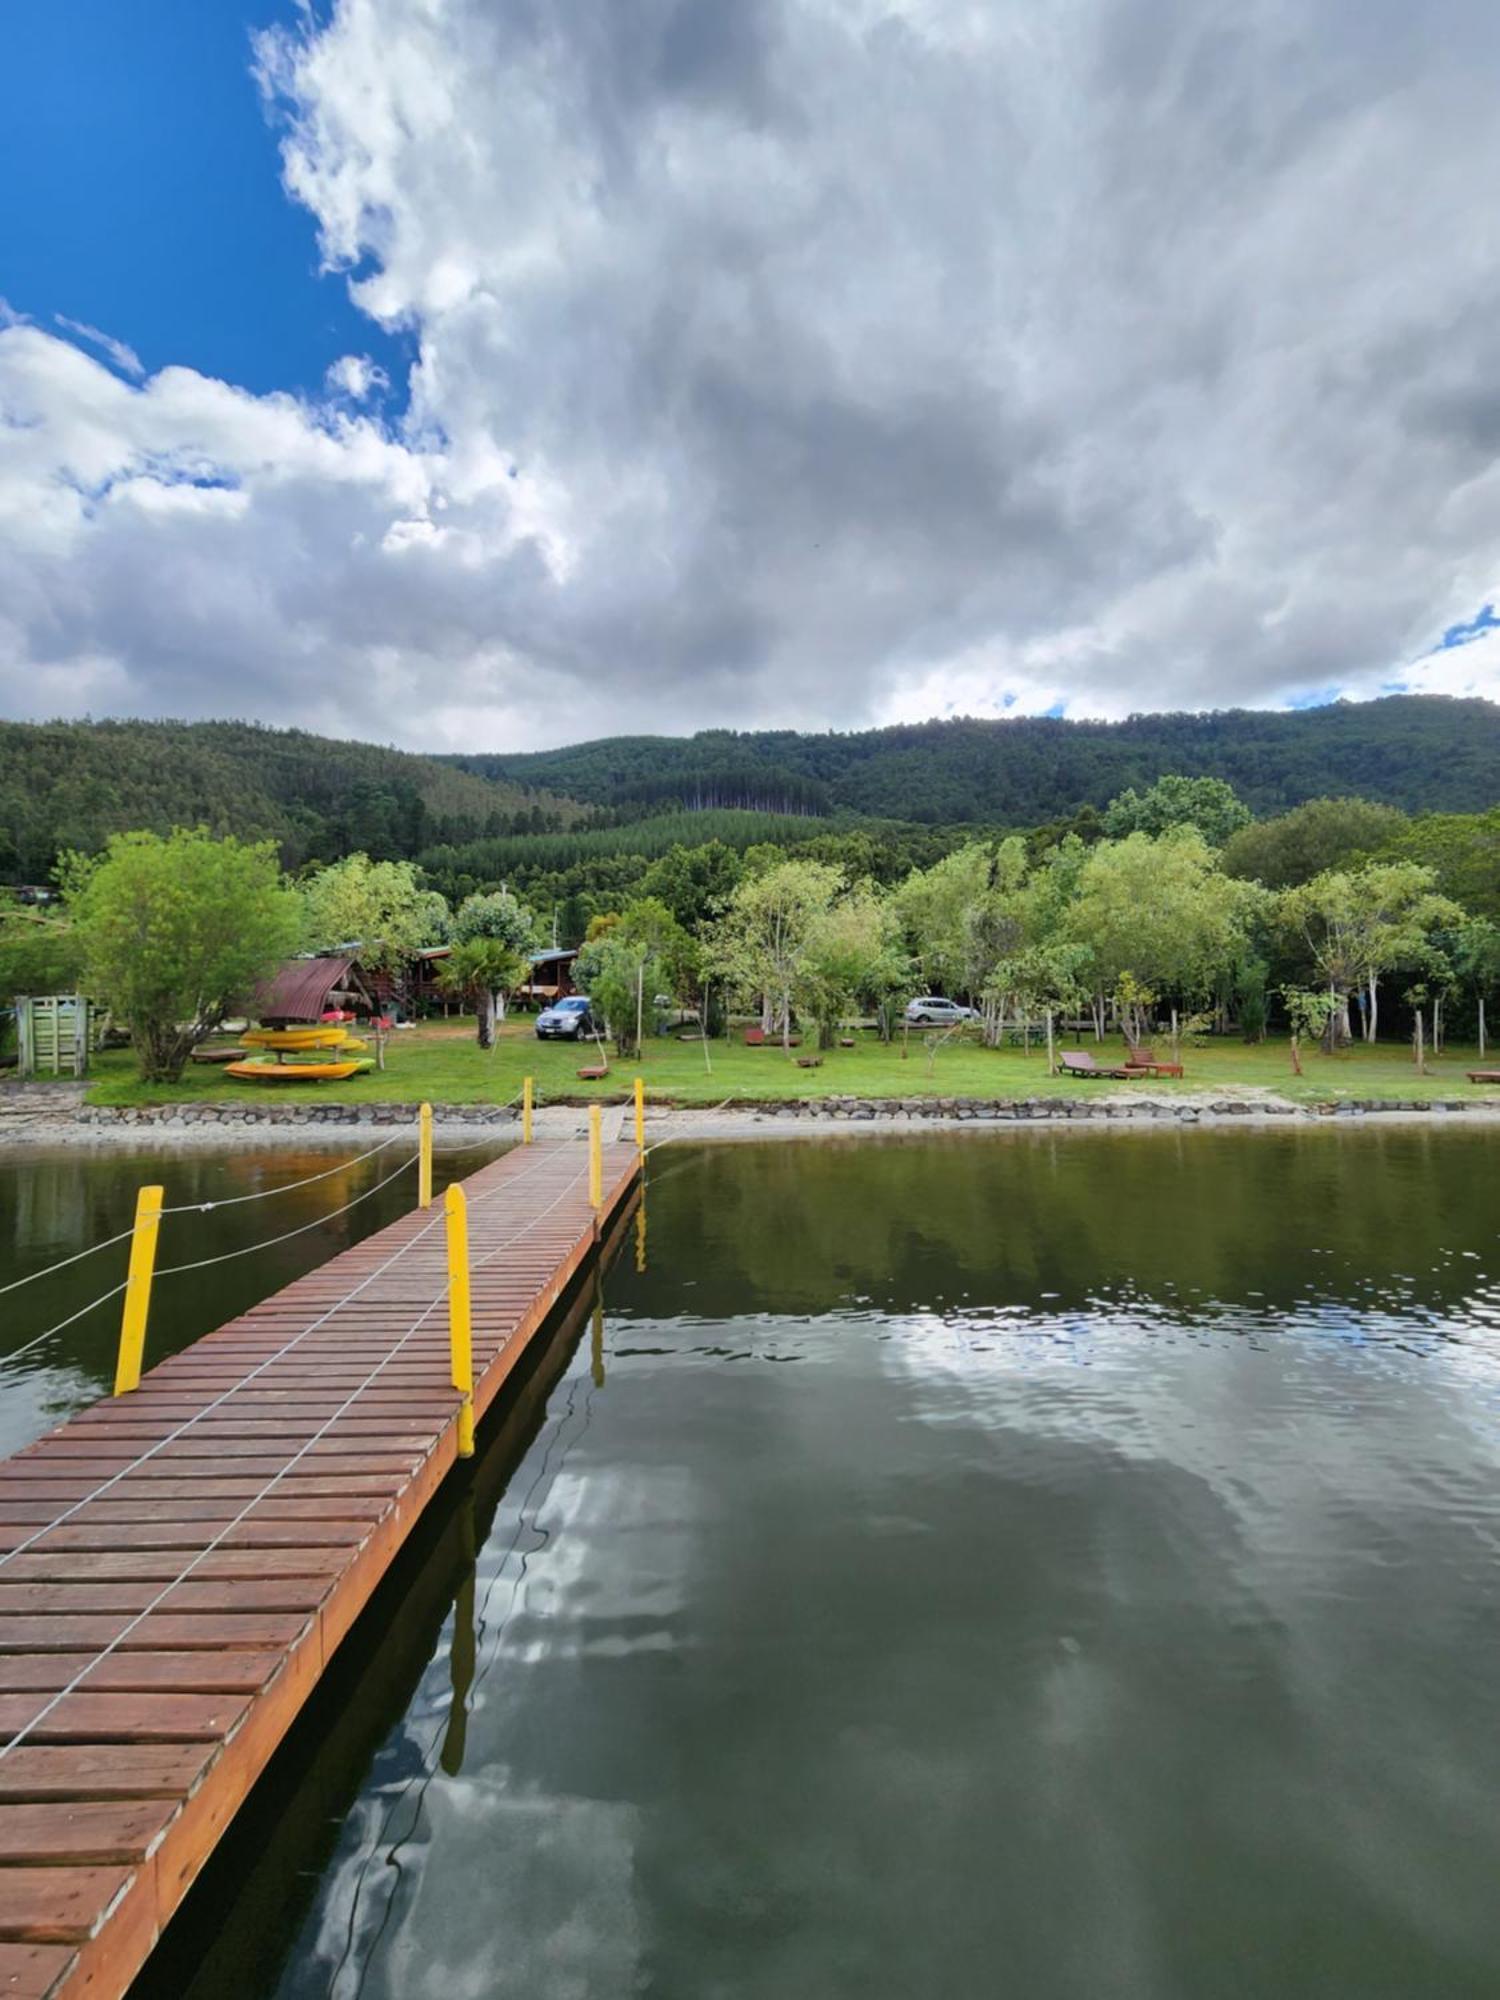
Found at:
<point>934,905</point>
<point>492,937</point>
<point>1308,1012</point>
<point>1042,978</point>
<point>1463,851</point>
<point>1284,852</point>
<point>695,883</point>
<point>854,953</point>
<point>1158,917</point>
<point>382,910</point>
<point>1476,959</point>
<point>1206,803</point>
<point>175,933</point>
<point>379,907</point>
<point>39,952</point>
<point>973,909</point>
<point>760,945</point>
<point>1355,925</point>
<point>628,959</point>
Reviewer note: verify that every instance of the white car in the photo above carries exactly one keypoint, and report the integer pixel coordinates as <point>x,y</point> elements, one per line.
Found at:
<point>930,1012</point>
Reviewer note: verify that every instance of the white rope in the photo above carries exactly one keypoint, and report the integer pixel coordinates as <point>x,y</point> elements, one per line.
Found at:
<point>203,1208</point>
<point>249,1506</point>
<point>37,1338</point>
<point>270,1361</point>
<point>270,1242</point>
<point>287,1187</point>
<point>63,1262</point>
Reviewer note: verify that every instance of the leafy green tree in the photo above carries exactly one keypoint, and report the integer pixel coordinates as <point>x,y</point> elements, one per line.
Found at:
<point>175,933</point>
<point>1158,918</point>
<point>1476,960</point>
<point>1354,925</point>
<point>620,973</point>
<point>761,944</point>
<point>855,953</point>
<point>39,952</point>
<point>962,914</point>
<point>1309,1010</point>
<point>1206,803</point>
<point>1284,852</point>
<point>492,936</point>
<point>379,907</point>
<point>693,882</point>
<point>628,959</point>
<point>1047,977</point>
<point>1462,850</point>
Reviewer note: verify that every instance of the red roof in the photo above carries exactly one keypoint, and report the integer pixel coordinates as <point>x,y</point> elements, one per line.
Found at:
<point>300,990</point>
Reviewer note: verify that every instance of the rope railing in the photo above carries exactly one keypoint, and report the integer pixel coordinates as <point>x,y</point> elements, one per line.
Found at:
<point>62,1263</point>
<point>180,1430</point>
<point>286,1187</point>
<point>235,1201</point>
<point>275,1480</point>
<point>37,1338</point>
<point>270,1242</point>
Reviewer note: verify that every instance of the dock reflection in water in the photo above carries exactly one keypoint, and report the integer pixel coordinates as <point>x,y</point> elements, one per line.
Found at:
<point>1050,1564</point>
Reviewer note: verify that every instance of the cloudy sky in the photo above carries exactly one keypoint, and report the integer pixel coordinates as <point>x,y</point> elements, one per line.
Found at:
<point>481,376</point>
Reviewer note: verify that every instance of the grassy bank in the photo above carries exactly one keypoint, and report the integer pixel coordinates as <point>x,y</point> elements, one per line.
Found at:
<point>442,1062</point>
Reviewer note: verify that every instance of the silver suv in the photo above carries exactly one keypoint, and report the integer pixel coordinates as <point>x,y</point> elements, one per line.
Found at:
<point>930,1012</point>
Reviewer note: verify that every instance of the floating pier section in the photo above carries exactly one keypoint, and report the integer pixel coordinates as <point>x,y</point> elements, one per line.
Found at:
<point>178,1564</point>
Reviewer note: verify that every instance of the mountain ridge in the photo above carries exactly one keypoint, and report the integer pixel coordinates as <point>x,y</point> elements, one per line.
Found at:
<point>1419,752</point>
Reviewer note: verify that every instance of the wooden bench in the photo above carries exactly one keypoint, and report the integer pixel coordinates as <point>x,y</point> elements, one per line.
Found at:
<point>1078,1062</point>
<point>1484,1075</point>
<point>1144,1062</point>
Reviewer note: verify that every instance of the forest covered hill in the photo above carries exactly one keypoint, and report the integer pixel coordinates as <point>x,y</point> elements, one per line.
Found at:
<point>73,784</point>
<point>1418,752</point>
<point>479,817</point>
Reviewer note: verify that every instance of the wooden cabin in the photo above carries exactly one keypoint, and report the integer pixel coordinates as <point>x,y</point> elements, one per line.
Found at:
<point>549,980</point>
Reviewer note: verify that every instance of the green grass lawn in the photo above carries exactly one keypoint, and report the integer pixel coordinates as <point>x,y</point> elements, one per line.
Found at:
<point>442,1062</point>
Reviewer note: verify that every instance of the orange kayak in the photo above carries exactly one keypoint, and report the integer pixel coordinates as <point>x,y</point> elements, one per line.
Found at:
<point>295,1072</point>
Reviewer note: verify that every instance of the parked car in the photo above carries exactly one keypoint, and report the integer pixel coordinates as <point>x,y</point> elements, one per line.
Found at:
<point>566,1020</point>
<point>930,1012</point>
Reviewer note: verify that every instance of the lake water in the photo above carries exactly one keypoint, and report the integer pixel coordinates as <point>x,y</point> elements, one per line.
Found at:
<point>1059,1565</point>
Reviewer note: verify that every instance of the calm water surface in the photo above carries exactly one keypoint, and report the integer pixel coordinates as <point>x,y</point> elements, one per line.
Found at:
<point>1060,1566</point>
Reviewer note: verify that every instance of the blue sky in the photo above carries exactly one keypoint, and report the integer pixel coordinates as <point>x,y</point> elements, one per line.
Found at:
<point>152,206</point>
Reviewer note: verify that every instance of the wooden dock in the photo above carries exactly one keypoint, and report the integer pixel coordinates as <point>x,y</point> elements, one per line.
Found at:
<point>178,1565</point>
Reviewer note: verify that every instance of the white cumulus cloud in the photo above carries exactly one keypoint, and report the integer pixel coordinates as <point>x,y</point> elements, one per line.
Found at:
<point>812,361</point>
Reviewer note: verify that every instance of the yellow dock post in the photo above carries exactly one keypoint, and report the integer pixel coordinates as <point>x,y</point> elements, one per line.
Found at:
<point>640,1116</point>
<point>460,1330</point>
<point>596,1161</point>
<point>526,1112</point>
<point>138,1290</point>
<point>424,1157</point>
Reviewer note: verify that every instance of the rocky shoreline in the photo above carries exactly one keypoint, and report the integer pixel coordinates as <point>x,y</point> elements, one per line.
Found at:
<point>45,1115</point>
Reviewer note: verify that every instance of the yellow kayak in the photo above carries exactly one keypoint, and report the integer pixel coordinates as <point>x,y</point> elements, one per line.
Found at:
<point>295,1072</point>
<point>286,1039</point>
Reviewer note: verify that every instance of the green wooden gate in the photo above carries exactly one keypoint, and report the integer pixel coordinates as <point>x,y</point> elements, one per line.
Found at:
<point>54,1031</point>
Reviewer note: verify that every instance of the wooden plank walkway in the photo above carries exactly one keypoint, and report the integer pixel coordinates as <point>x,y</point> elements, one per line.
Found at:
<point>178,1565</point>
